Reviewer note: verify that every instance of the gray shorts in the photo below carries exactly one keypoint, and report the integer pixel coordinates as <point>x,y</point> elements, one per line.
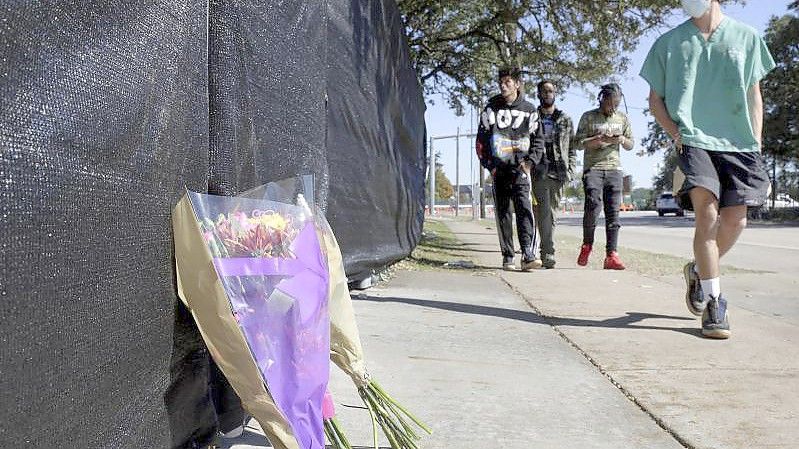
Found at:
<point>736,179</point>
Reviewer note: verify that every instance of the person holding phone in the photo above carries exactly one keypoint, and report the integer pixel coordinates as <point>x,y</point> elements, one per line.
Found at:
<point>601,133</point>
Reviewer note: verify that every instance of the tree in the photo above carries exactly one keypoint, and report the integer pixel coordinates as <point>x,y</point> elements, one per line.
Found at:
<point>456,45</point>
<point>656,141</point>
<point>781,88</point>
<point>444,189</point>
<point>574,189</point>
<point>781,101</point>
<point>643,198</point>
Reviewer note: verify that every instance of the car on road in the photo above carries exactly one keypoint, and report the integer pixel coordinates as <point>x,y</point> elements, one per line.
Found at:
<point>781,200</point>
<point>667,204</point>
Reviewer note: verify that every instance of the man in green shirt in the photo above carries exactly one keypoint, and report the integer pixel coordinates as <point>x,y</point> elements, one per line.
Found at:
<point>705,77</point>
<point>601,132</point>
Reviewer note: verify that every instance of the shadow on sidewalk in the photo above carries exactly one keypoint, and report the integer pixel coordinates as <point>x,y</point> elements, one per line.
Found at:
<point>623,322</point>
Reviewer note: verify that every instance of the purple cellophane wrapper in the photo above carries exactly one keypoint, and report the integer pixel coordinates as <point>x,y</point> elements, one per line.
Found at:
<point>281,307</point>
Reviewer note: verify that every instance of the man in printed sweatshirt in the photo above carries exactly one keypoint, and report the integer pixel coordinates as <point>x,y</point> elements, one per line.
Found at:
<point>510,142</point>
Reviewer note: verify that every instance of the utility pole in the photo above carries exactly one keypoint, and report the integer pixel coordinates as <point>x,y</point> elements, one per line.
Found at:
<point>457,165</point>
<point>457,171</point>
<point>432,172</point>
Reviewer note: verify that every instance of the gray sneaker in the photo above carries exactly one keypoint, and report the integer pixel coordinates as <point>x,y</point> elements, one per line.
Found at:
<point>549,261</point>
<point>530,265</point>
<point>507,264</point>
<point>715,322</point>
<point>694,298</point>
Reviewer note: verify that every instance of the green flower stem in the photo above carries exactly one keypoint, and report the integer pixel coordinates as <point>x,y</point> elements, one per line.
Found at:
<point>373,414</point>
<point>394,402</point>
<point>391,416</point>
<point>341,435</point>
<point>335,435</point>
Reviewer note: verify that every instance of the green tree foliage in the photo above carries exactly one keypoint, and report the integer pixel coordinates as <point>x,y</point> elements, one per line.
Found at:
<point>643,198</point>
<point>781,102</point>
<point>781,89</point>
<point>654,142</point>
<point>444,189</point>
<point>574,189</point>
<point>457,45</point>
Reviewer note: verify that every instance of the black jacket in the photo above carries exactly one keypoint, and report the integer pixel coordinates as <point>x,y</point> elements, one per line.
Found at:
<point>509,134</point>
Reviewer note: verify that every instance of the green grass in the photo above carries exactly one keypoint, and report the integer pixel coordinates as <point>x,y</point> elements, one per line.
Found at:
<point>437,247</point>
<point>644,262</point>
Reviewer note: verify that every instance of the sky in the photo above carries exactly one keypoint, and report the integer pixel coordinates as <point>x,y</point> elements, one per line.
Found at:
<point>441,121</point>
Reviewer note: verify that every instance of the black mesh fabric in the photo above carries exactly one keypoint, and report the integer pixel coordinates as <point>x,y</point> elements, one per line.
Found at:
<point>375,136</point>
<point>267,93</point>
<point>104,121</point>
<point>108,111</point>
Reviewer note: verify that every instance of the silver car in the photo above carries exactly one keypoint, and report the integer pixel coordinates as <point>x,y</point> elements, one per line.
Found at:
<point>667,204</point>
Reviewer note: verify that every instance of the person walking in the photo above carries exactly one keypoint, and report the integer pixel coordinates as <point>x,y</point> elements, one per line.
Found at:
<point>509,144</point>
<point>555,170</point>
<point>601,132</point>
<point>704,77</point>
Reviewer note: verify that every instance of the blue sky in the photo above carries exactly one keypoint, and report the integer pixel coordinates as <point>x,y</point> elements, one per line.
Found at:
<point>442,121</point>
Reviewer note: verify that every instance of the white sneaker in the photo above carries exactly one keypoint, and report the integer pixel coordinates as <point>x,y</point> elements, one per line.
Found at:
<point>235,433</point>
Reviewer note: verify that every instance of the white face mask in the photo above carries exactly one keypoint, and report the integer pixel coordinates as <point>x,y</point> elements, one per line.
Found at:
<point>695,8</point>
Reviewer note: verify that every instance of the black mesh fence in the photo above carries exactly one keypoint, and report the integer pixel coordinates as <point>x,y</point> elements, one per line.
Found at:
<point>110,110</point>
<point>375,135</point>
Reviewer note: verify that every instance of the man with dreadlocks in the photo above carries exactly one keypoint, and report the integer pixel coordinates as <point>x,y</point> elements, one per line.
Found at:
<point>601,132</point>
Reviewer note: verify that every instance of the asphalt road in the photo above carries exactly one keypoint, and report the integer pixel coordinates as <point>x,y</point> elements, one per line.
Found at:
<point>770,249</point>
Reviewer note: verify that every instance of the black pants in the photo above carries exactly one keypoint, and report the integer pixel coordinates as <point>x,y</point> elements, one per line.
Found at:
<point>602,187</point>
<point>199,400</point>
<point>512,186</point>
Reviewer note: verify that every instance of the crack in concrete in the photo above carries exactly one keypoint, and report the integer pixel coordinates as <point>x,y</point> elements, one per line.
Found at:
<point>660,422</point>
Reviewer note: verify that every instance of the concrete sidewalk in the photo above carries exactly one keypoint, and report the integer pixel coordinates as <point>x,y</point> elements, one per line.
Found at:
<point>739,393</point>
<point>566,358</point>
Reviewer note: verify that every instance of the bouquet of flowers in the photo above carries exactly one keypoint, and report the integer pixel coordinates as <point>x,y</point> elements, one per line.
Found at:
<point>278,233</point>
<point>256,279</point>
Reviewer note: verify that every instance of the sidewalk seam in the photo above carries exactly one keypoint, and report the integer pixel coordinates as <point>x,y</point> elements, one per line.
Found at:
<point>660,422</point>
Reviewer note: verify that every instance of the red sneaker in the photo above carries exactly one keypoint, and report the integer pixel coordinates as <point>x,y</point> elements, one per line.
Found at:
<point>585,251</point>
<point>613,262</point>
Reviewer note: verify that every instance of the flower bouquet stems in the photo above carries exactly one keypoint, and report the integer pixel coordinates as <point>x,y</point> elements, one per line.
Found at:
<point>391,416</point>
<point>346,351</point>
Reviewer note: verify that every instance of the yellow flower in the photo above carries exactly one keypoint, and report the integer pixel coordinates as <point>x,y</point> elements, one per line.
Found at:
<point>270,220</point>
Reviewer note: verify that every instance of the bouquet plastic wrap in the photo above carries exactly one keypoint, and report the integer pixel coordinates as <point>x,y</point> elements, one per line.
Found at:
<point>255,277</point>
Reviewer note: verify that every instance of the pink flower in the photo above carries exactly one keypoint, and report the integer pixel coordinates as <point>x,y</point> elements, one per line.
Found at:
<point>328,409</point>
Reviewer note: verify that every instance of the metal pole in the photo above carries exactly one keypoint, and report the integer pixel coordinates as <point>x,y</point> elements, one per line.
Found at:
<point>432,171</point>
<point>471,164</point>
<point>457,171</point>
